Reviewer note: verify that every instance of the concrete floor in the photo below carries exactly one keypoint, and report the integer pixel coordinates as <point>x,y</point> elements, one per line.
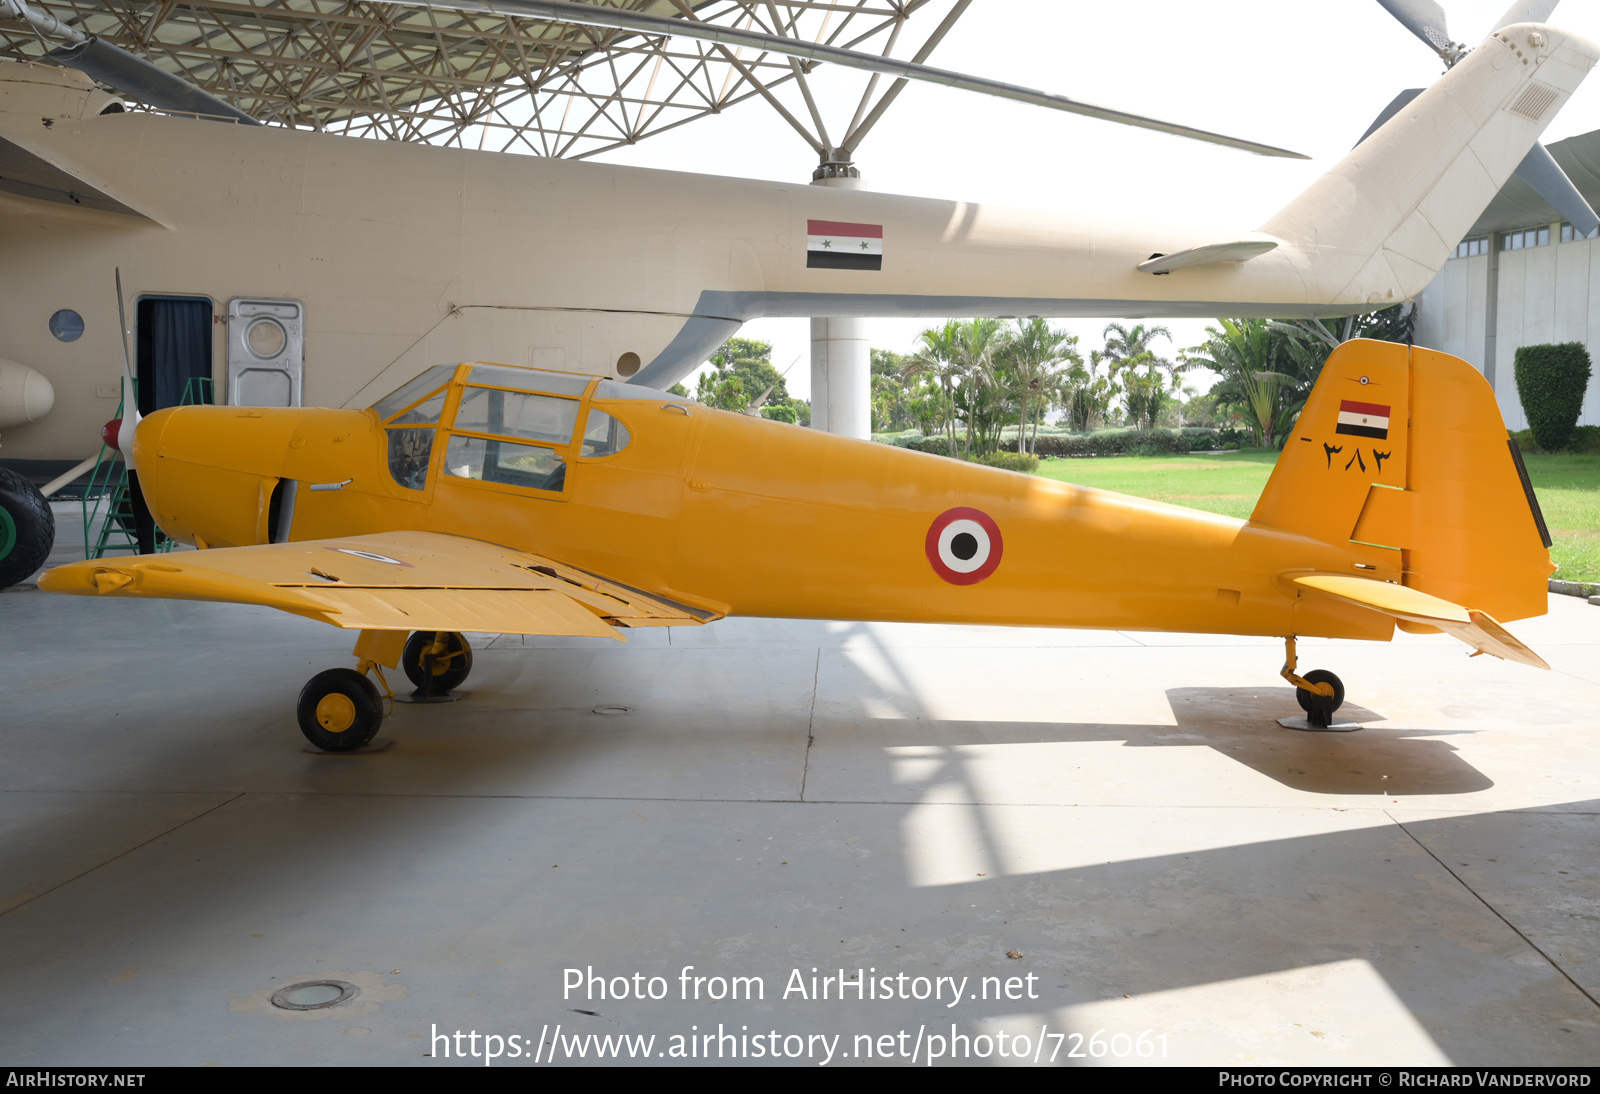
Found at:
<point>1121,810</point>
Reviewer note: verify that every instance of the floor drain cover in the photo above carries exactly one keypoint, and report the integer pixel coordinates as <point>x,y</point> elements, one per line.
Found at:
<point>613,710</point>
<point>314,994</point>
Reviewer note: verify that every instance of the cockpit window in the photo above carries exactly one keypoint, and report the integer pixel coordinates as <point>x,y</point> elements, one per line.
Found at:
<point>409,452</point>
<point>603,435</point>
<point>412,391</point>
<point>502,461</point>
<point>515,414</point>
<point>529,379</point>
<point>426,412</point>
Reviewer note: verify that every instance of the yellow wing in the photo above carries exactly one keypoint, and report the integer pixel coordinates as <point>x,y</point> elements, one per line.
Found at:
<point>392,581</point>
<point>1477,629</point>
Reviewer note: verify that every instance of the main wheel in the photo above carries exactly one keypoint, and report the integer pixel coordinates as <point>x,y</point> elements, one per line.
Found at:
<point>339,710</point>
<point>450,668</point>
<point>27,528</point>
<point>1320,708</point>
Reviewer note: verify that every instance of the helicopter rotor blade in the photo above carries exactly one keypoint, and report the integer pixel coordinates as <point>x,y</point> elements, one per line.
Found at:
<point>1540,170</point>
<point>1527,11</point>
<point>565,11</point>
<point>138,78</point>
<point>1425,19</point>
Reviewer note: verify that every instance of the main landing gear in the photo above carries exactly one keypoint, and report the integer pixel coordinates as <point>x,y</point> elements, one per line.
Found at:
<point>1319,692</point>
<point>340,710</point>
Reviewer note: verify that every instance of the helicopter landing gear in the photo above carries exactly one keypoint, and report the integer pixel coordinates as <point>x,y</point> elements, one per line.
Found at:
<point>1319,692</point>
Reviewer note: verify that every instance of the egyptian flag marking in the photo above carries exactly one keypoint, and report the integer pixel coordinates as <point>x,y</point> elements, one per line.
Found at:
<point>839,245</point>
<point>1363,419</point>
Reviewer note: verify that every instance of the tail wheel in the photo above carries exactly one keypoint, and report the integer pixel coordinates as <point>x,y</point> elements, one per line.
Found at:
<point>339,710</point>
<point>446,653</point>
<point>1320,708</point>
<point>27,528</point>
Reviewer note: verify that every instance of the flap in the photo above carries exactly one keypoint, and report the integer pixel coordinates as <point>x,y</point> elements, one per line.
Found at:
<point>391,581</point>
<point>1477,629</point>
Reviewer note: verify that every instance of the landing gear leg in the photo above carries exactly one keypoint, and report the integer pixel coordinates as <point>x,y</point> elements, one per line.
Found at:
<point>1319,692</point>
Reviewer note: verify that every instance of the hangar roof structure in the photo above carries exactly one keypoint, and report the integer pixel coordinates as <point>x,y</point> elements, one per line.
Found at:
<point>494,81</point>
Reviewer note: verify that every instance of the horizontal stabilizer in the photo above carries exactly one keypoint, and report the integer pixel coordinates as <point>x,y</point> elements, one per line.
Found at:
<point>1477,629</point>
<point>1240,251</point>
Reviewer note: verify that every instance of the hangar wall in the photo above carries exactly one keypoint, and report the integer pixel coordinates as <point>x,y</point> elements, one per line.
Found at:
<point>1520,278</point>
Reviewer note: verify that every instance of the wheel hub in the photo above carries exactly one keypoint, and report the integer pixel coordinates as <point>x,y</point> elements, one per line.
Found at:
<point>335,712</point>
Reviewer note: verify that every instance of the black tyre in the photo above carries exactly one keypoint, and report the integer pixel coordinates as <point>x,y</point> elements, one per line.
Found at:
<point>27,528</point>
<point>450,669</point>
<point>1320,708</point>
<point>339,710</point>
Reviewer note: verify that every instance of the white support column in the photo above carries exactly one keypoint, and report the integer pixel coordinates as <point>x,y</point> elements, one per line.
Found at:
<point>841,362</point>
<point>841,377</point>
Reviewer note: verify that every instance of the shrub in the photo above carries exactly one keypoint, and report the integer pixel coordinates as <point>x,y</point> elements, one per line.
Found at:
<point>1550,382</point>
<point>1585,440</point>
<point>1010,461</point>
<point>780,414</point>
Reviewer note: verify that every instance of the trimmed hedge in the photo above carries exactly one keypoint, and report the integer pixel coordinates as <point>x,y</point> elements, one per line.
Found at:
<point>1010,461</point>
<point>1585,441</point>
<point>1551,380</point>
<point>1105,442</point>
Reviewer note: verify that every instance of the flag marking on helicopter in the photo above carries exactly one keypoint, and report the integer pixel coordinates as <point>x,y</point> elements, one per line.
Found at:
<point>840,245</point>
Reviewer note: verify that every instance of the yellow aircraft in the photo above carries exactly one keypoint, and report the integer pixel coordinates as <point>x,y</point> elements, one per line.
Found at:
<point>483,497</point>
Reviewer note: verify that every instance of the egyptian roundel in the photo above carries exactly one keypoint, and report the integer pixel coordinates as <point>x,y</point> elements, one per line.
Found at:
<point>964,546</point>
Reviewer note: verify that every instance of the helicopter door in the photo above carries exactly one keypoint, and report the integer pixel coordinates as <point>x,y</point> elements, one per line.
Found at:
<point>266,352</point>
<point>174,351</point>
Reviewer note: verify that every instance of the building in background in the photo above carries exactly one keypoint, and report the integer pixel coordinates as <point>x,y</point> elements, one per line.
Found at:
<point>1521,277</point>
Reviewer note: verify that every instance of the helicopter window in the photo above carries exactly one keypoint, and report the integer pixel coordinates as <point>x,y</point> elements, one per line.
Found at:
<point>409,452</point>
<point>514,414</point>
<point>412,391</point>
<point>604,435</point>
<point>502,461</point>
<point>530,379</point>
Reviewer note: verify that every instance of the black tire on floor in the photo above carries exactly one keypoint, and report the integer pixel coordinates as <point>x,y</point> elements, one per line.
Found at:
<point>1320,708</point>
<point>27,528</point>
<point>339,710</point>
<point>449,671</point>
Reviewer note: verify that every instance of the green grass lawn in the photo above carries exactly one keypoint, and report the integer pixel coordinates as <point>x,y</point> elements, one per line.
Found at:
<point>1568,488</point>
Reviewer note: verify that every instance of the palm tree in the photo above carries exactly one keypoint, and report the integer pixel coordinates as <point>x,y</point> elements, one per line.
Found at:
<point>1250,356</point>
<point>1128,352</point>
<point>980,340</point>
<point>939,358</point>
<point>959,354</point>
<point>1032,352</point>
<point>1088,395</point>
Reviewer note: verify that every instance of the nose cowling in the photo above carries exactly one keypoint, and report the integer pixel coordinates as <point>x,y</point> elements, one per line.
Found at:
<point>208,472</point>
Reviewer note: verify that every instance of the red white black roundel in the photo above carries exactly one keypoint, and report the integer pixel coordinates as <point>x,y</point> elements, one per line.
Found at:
<point>964,546</point>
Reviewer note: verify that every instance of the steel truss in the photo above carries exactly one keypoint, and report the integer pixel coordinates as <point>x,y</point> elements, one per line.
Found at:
<point>422,74</point>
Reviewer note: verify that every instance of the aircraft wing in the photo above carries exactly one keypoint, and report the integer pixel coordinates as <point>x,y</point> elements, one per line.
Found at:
<point>1477,629</point>
<point>396,581</point>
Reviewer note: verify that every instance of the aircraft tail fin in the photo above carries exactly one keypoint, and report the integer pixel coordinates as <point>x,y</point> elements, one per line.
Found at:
<point>1402,453</point>
<point>1376,228</point>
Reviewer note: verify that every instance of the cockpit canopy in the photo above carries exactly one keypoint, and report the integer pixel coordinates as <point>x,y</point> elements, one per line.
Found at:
<point>502,423</point>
